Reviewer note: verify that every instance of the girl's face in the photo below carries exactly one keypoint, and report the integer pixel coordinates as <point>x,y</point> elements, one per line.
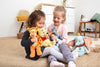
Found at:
<point>41,22</point>
<point>58,18</point>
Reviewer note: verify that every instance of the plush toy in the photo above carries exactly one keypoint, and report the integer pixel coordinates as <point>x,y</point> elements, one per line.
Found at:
<point>80,44</point>
<point>36,45</point>
<point>54,30</point>
<point>86,41</point>
<point>60,38</point>
<point>46,42</point>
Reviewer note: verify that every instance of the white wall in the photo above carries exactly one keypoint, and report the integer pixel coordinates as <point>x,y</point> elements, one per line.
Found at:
<point>88,9</point>
<point>9,10</point>
<point>77,5</point>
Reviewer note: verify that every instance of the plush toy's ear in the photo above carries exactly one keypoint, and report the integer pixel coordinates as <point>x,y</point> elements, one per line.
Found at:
<point>71,43</point>
<point>88,42</point>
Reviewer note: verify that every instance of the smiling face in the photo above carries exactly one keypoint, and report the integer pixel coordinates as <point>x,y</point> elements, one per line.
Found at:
<point>58,18</point>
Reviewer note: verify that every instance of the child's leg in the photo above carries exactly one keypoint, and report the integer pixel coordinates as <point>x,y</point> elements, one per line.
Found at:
<point>67,55</point>
<point>54,63</point>
<point>51,58</point>
<point>66,52</point>
<point>46,51</point>
<point>56,48</point>
<point>55,53</point>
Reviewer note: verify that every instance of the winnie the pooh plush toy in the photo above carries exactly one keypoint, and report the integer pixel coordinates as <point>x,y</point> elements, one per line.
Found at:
<point>36,45</point>
<point>43,38</point>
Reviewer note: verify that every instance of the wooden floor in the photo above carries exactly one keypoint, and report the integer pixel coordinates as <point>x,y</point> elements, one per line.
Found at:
<point>12,54</point>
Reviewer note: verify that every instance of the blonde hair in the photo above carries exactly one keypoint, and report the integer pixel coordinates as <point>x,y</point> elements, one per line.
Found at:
<point>61,9</point>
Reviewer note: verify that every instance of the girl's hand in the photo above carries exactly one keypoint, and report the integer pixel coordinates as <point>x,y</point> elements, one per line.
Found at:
<point>34,39</point>
<point>47,37</point>
<point>49,33</point>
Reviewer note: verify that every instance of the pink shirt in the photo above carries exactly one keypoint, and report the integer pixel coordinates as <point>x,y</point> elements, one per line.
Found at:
<point>62,30</point>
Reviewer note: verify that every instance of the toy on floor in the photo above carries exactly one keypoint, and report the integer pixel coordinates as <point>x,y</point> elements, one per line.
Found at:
<point>54,31</point>
<point>43,38</point>
<point>81,46</point>
<point>36,45</point>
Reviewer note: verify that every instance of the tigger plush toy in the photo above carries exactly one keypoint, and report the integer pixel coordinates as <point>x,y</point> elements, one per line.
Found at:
<point>36,45</point>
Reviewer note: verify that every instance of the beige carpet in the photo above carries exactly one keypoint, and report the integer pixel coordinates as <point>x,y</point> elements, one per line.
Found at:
<point>12,55</point>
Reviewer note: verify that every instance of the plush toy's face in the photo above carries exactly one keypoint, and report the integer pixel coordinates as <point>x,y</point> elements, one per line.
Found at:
<point>54,30</point>
<point>32,33</point>
<point>42,32</point>
<point>79,40</point>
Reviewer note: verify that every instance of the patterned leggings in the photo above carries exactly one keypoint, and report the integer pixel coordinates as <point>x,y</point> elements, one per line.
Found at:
<point>61,53</point>
<point>67,55</point>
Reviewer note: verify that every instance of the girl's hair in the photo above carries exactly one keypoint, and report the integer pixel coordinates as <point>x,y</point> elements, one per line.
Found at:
<point>61,9</point>
<point>34,17</point>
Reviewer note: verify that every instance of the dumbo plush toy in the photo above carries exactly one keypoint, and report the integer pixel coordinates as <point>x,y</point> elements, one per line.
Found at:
<point>80,46</point>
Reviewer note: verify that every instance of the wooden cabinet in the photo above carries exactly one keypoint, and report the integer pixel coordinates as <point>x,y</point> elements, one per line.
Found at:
<point>83,24</point>
<point>70,16</point>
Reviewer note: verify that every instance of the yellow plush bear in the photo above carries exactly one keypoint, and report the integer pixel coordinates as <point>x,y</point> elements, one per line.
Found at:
<point>43,38</point>
<point>36,45</point>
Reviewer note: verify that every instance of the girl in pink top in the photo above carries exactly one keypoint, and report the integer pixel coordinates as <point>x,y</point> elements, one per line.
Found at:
<point>62,30</point>
<point>61,52</point>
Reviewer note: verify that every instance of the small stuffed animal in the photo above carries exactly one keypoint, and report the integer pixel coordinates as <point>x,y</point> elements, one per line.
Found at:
<point>36,45</point>
<point>76,51</point>
<point>80,44</point>
<point>54,31</point>
<point>46,42</point>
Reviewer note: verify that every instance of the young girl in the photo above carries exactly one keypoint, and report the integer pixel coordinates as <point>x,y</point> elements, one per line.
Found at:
<point>36,18</point>
<point>64,54</point>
